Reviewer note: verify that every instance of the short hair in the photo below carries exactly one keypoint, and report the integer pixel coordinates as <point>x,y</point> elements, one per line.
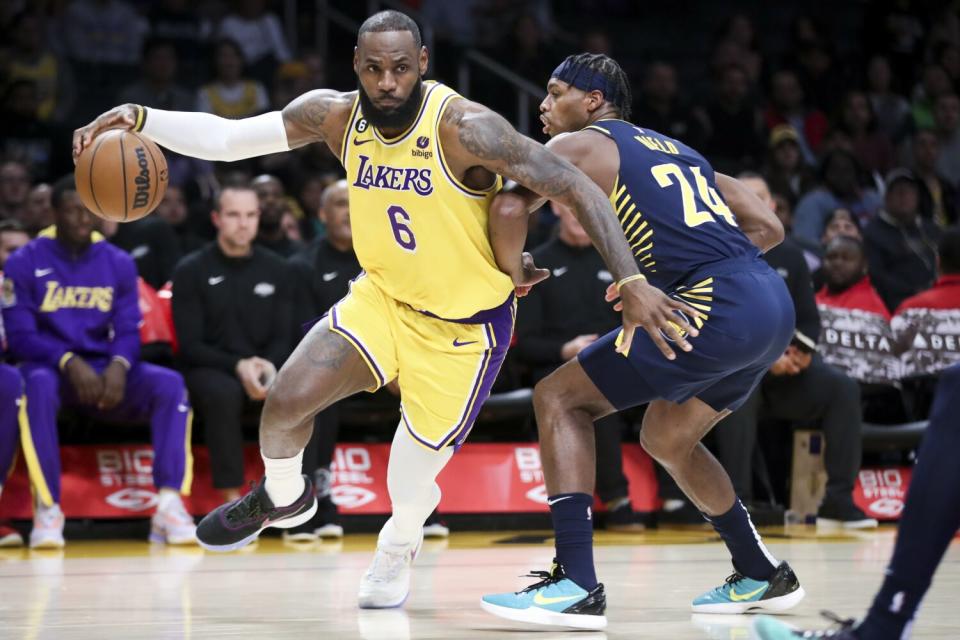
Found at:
<point>948,248</point>
<point>391,20</point>
<point>239,186</point>
<point>853,218</point>
<point>610,70</point>
<point>60,188</point>
<point>11,225</point>
<point>857,243</point>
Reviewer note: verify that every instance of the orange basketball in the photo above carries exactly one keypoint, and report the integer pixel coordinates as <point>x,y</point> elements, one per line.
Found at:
<point>121,176</point>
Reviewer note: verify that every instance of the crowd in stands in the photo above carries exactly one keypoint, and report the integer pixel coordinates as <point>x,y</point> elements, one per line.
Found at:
<point>855,144</point>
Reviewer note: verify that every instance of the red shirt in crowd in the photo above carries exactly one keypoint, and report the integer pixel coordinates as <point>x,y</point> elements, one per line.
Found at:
<point>860,296</point>
<point>944,294</point>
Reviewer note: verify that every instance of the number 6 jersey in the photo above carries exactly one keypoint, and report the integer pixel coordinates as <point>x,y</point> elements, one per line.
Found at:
<point>419,233</point>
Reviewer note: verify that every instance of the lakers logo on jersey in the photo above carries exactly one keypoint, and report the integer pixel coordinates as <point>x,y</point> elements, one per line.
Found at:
<point>421,233</point>
<point>394,178</point>
<point>58,297</point>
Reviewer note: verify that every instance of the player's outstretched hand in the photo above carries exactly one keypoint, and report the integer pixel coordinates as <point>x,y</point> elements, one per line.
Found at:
<point>643,305</point>
<point>122,117</point>
<point>530,275</point>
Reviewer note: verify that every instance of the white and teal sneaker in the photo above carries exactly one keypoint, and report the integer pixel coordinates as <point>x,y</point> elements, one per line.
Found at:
<point>740,594</point>
<point>555,600</point>
<point>766,628</point>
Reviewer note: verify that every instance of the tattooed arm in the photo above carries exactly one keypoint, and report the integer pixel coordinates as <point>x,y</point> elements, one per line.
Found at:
<point>477,136</point>
<point>316,116</point>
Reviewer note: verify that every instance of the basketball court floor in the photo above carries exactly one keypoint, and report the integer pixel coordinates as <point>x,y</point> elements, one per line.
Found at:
<point>132,590</point>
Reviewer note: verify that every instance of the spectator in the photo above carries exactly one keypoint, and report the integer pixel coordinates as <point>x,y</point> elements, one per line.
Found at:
<point>291,80</point>
<point>232,313</point>
<point>24,137</point>
<point>871,147</point>
<point>152,244</point>
<point>31,60</point>
<point>927,325</point>
<point>14,188</point>
<point>802,388</point>
<point>891,109</point>
<point>822,82</point>
<point>72,326</point>
<point>935,83</point>
<point>38,212</point>
<point>659,107</point>
<point>939,200</point>
<point>788,106</point>
<point>103,31</point>
<point>12,237</point>
<point>901,245</point>
<point>176,21</point>
<point>734,125</point>
<point>738,46</point>
<point>173,210</point>
<point>259,35</point>
<point>157,85</point>
<point>551,332</point>
<point>840,223</point>
<point>231,95</point>
<point>322,273</point>
<point>270,234</point>
<point>785,169</point>
<point>528,49</point>
<point>843,187</point>
<point>945,292</point>
<point>946,118</point>
<point>858,339</point>
<point>846,280</point>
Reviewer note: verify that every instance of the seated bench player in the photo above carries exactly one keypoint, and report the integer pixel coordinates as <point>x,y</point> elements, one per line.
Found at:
<point>71,316</point>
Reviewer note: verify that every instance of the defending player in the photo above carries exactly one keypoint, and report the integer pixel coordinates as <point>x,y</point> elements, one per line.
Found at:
<point>676,215</point>
<point>431,308</point>
<point>931,518</point>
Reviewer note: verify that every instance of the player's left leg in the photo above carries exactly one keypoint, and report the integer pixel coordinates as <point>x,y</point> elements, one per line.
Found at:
<point>11,402</point>
<point>930,520</point>
<point>671,434</point>
<point>160,395</point>
<point>566,404</point>
<point>414,494</point>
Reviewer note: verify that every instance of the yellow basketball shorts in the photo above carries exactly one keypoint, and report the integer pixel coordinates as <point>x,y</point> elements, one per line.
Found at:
<point>445,368</point>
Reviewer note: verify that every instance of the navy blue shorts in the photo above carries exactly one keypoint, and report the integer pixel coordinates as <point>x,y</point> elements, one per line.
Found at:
<point>749,323</point>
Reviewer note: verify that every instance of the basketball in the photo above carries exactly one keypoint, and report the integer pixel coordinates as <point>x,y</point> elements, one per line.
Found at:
<point>121,176</point>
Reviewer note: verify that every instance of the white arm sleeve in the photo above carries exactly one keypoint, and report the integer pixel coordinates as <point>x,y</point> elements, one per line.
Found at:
<point>210,137</point>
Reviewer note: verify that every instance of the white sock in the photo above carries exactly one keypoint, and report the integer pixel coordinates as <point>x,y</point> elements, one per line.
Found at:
<point>411,480</point>
<point>284,480</point>
<point>167,498</point>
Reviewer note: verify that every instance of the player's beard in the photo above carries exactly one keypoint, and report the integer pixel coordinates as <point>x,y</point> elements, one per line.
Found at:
<point>397,118</point>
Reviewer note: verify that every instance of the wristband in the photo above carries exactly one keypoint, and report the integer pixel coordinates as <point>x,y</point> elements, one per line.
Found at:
<point>141,118</point>
<point>636,276</point>
<point>64,359</point>
<point>123,362</point>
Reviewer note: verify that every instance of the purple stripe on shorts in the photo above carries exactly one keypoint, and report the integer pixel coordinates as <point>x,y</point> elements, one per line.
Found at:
<point>502,329</point>
<point>335,323</point>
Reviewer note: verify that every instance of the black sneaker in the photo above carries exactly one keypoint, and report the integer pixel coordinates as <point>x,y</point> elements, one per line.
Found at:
<point>434,527</point>
<point>765,628</point>
<point>837,513</point>
<point>236,524</point>
<point>624,519</point>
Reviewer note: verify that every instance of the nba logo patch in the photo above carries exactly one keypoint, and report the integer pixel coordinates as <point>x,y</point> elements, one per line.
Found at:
<point>422,142</point>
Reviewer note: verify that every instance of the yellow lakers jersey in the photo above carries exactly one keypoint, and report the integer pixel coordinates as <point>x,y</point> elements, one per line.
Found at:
<point>419,233</point>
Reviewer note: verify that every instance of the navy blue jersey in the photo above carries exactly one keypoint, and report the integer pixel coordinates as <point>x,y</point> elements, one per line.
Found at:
<point>669,207</point>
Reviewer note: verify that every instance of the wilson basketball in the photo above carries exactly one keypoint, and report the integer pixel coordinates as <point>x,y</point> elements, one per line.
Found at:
<point>121,176</point>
